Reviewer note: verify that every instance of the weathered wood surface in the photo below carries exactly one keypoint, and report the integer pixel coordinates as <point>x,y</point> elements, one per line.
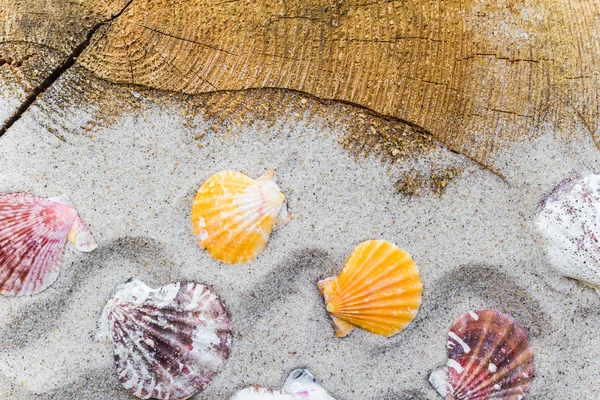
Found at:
<point>478,75</point>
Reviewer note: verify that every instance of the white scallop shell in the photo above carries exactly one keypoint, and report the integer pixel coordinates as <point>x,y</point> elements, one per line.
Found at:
<point>569,220</point>
<point>300,384</point>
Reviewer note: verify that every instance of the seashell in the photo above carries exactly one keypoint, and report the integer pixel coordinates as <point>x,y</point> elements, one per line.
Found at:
<point>379,290</point>
<point>489,357</point>
<point>234,215</point>
<point>569,222</point>
<point>33,233</point>
<point>301,384</point>
<point>169,343</point>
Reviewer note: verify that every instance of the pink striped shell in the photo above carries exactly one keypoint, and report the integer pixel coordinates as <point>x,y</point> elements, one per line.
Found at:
<point>170,342</point>
<point>33,233</point>
<point>489,357</point>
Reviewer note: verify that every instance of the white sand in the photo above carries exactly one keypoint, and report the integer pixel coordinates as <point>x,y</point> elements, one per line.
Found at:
<point>133,182</point>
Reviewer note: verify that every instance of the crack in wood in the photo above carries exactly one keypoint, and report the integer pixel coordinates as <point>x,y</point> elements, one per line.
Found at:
<point>58,72</point>
<point>186,40</point>
<point>502,58</point>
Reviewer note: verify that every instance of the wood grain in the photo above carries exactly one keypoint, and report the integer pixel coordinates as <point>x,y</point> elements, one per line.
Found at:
<point>478,75</point>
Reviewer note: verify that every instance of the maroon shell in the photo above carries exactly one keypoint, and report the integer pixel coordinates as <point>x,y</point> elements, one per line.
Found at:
<point>489,357</point>
<point>170,342</point>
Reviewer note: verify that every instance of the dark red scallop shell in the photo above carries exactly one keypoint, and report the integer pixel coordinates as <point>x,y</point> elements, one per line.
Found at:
<point>489,357</point>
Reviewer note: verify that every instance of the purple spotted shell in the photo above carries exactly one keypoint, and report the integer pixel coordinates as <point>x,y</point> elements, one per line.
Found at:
<point>489,357</point>
<point>569,221</point>
<point>170,342</point>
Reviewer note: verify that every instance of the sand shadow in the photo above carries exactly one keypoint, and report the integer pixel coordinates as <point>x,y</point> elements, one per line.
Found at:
<point>301,269</point>
<point>89,387</point>
<point>474,287</point>
<point>406,395</point>
<point>37,319</point>
<point>488,286</point>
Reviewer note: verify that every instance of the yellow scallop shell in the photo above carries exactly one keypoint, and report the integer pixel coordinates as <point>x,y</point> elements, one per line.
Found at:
<point>379,290</point>
<point>233,215</point>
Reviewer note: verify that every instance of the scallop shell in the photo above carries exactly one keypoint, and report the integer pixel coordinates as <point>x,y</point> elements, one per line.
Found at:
<point>33,233</point>
<point>489,357</point>
<point>379,290</point>
<point>234,215</point>
<point>301,384</point>
<point>169,343</point>
<point>569,220</point>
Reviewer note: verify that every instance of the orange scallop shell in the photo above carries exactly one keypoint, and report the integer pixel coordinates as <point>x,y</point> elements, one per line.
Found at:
<point>234,215</point>
<point>379,290</point>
